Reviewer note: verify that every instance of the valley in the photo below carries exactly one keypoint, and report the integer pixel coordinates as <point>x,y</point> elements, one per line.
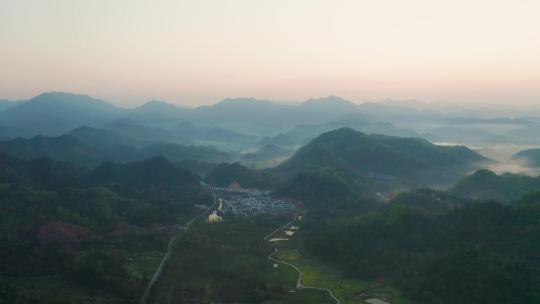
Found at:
<point>269,152</point>
<point>310,277</point>
<point>159,205</point>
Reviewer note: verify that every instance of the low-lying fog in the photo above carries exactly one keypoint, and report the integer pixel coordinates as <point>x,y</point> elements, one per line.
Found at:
<point>502,154</point>
<point>512,167</point>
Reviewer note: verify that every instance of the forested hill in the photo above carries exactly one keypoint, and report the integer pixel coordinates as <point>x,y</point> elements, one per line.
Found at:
<point>152,172</point>
<point>97,231</point>
<point>385,157</point>
<point>479,253</point>
<point>487,185</point>
<point>529,157</point>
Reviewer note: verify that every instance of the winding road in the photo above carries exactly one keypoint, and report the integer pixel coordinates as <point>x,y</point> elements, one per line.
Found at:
<point>170,249</point>
<point>172,241</point>
<point>299,284</point>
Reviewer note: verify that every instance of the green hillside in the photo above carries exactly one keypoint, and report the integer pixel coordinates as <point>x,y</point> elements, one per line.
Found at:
<point>481,253</point>
<point>487,185</point>
<point>410,160</point>
<point>92,233</point>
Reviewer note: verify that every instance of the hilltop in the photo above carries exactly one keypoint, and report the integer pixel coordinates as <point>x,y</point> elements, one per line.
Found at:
<point>411,160</point>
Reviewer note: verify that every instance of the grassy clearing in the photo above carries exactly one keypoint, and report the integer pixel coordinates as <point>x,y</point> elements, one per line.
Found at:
<point>281,274</point>
<point>144,265</point>
<point>286,277</point>
<point>346,289</point>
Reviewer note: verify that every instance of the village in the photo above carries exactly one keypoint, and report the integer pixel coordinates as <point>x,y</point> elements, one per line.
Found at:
<point>234,201</point>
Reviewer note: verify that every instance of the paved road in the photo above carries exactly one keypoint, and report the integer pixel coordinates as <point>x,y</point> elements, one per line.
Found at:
<point>170,249</point>
<point>299,284</point>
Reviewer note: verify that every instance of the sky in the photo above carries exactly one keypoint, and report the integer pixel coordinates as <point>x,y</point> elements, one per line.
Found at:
<point>200,51</point>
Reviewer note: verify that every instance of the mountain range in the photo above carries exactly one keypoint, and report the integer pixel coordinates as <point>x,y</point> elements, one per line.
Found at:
<point>94,198</point>
<point>240,123</point>
<point>54,114</point>
<point>88,147</point>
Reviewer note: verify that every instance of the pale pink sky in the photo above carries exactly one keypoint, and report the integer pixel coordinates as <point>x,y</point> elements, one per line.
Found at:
<point>200,51</point>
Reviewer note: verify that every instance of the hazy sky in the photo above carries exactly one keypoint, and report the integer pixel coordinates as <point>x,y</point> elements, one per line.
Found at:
<point>199,51</point>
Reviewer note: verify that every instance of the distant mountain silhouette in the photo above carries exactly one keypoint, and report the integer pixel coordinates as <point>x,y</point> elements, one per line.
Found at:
<point>158,107</point>
<point>496,120</point>
<point>465,135</point>
<point>178,153</point>
<point>529,157</point>
<point>225,174</point>
<point>280,140</point>
<point>101,137</point>
<point>132,129</point>
<point>266,152</point>
<point>8,104</point>
<point>88,147</point>
<point>334,104</point>
<point>57,113</point>
<point>394,113</point>
<point>158,114</point>
<point>111,146</point>
<point>62,148</point>
<point>267,156</point>
<point>192,132</point>
<point>325,109</point>
<point>246,115</point>
<point>301,133</point>
<point>261,117</point>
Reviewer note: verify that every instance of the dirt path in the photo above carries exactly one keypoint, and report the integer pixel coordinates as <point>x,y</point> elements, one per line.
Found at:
<point>299,284</point>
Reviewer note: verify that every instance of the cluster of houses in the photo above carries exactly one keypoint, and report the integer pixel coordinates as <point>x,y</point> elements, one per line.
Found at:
<point>239,202</point>
<point>248,204</point>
